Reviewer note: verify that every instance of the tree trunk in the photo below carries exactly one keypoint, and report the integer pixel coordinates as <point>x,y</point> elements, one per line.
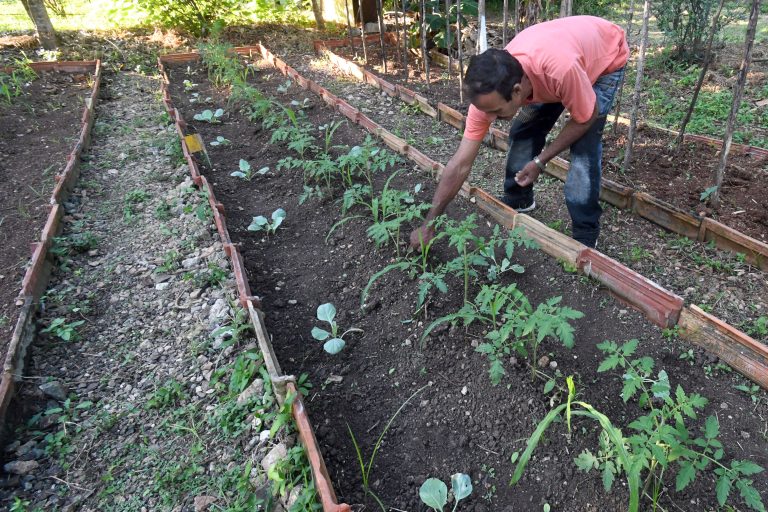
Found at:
<point>738,92</point>
<point>448,45</point>
<point>566,8</point>
<point>482,36</point>
<point>638,86</point>
<point>39,16</point>
<point>405,41</point>
<point>349,29</point>
<point>362,30</point>
<point>700,81</point>
<point>316,8</point>
<point>630,15</point>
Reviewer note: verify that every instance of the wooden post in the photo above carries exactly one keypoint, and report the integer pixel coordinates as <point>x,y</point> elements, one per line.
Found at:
<point>517,16</point>
<point>738,92</point>
<point>505,15</point>
<point>448,34</point>
<point>638,86</point>
<point>482,34</point>
<point>349,29</point>
<point>700,81</point>
<point>399,55</point>
<point>424,54</point>
<point>405,41</point>
<point>383,52</point>
<point>461,51</point>
<point>362,29</point>
<point>617,108</point>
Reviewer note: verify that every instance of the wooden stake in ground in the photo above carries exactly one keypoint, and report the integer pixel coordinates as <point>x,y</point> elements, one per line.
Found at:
<point>505,23</point>
<point>482,35</point>
<point>617,108</point>
<point>517,16</point>
<point>362,29</point>
<point>700,81</point>
<point>380,12</point>
<point>424,54</point>
<point>448,35</point>
<point>349,29</point>
<point>43,27</point>
<point>399,55</point>
<point>638,86</point>
<point>405,41</point>
<point>460,44</point>
<point>738,92</point>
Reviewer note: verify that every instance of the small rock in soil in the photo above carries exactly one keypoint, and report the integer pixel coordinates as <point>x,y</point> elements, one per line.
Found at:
<point>21,467</point>
<point>55,390</point>
<point>544,361</point>
<point>203,502</point>
<point>278,452</point>
<point>255,389</point>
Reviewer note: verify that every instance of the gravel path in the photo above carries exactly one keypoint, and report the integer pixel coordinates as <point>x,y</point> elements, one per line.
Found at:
<point>156,400</point>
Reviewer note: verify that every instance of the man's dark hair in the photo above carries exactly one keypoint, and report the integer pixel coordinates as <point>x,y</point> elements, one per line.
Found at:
<point>492,70</point>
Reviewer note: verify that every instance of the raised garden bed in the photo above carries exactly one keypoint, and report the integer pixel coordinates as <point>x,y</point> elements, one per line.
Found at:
<point>45,127</point>
<point>652,172</point>
<point>459,421</point>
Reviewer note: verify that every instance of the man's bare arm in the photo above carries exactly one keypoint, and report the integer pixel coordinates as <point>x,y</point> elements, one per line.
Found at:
<point>454,175</point>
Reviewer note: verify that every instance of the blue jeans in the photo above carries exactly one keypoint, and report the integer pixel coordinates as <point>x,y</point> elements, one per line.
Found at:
<point>582,186</point>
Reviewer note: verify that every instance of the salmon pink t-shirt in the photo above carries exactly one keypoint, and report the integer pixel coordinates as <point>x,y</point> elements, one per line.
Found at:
<point>562,59</point>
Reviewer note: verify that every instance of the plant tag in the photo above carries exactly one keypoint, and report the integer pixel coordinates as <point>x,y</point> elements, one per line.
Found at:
<point>194,143</point>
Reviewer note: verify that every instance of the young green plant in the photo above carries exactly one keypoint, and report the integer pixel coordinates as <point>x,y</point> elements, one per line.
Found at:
<point>334,342</point>
<point>434,493</point>
<point>260,223</point>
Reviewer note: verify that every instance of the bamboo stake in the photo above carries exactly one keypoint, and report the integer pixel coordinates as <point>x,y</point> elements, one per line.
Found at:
<point>405,41</point>
<point>362,29</point>
<point>700,81</point>
<point>461,51</point>
<point>397,57</point>
<point>630,15</point>
<point>738,92</point>
<point>383,52</point>
<point>349,28</point>
<point>424,54</point>
<point>505,14</point>
<point>638,86</point>
<point>448,34</point>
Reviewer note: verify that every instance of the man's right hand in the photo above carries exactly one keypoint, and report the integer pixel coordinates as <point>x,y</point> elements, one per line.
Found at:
<point>421,236</point>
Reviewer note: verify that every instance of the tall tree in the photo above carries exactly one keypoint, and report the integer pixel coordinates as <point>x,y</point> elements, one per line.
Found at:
<point>317,9</point>
<point>638,85</point>
<point>738,92</point>
<point>39,16</point>
<point>505,27</point>
<point>700,81</point>
<point>424,53</point>
<point>566,8</point>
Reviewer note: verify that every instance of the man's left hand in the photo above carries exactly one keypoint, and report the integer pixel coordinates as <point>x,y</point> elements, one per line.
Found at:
<point>528,174</point>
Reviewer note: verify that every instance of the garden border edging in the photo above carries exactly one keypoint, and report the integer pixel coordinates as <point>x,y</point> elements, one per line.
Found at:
<point>38,272</point>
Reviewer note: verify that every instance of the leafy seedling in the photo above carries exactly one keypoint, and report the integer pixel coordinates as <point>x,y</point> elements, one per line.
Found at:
<point>209,116</point>
<point>282,89</point>
<point>301,104</point>
<point>434,492</point>
<point>63,330</point>
<point>334,343</point>
<point>261,223</point>
<point>221,141</point>
<point>246,172</point>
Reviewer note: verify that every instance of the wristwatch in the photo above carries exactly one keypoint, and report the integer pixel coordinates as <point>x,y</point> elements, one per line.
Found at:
<point>539,163</point>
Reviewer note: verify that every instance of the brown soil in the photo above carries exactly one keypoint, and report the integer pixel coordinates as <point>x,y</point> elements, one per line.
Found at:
<point>37,134</point>
<point>678,179</point>
<point>459,422</point>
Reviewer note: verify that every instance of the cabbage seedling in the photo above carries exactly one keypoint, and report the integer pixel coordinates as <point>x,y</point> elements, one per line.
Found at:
<point>209,116</point>
<point>246,172</point>
<point>334,343</point>
<point>261,223</point>
<point>434,492</point>
<point>221,141</point>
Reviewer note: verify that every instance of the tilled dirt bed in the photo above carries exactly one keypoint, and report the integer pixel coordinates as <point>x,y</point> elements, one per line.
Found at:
<point>718,281</point>
<point>37,133</point>
<point>459,422</point>
<point>678,177</point>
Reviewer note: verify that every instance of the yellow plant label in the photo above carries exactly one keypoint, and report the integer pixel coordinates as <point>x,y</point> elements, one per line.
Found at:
<point>194,143</point>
